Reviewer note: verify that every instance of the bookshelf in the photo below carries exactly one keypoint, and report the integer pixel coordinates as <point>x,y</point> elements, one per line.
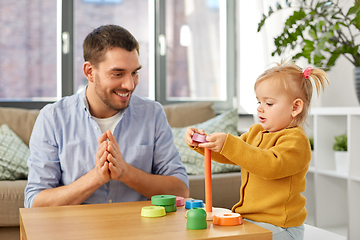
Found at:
<point>333,198</point>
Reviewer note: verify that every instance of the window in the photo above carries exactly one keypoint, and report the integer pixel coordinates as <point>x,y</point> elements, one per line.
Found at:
<point>186,48</point>
<point>132,15</point>
<point>28,50</point>
<point>195,40</point>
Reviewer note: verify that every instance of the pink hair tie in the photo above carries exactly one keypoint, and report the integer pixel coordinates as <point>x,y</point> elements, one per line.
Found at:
<point>307,72</point>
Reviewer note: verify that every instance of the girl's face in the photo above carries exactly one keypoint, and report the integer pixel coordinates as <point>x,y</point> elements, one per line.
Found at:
<point>275,107</point>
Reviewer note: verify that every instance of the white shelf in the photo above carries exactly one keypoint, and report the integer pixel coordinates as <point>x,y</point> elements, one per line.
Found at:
<point>311,169</point>
<point>357,179</point>
<point>341,230</point>
<point>335,111</point>
<point>333,173</point>
<point>333,198</point>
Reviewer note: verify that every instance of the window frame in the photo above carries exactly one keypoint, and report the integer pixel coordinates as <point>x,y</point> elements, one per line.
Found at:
<point>65,61</point>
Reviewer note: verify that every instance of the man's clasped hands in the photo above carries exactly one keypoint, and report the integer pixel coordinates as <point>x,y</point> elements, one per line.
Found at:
<point>110,163</point>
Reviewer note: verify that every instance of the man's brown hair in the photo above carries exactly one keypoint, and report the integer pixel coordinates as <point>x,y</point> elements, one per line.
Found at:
<point>104,38</point>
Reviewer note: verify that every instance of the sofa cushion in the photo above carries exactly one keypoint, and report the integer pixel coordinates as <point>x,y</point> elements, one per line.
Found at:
<point>11,199</point>
<point>13,155</point>
<point>21,121</point>
<point>225,188</point>
<point>186,114</point>
<point>193,161</point>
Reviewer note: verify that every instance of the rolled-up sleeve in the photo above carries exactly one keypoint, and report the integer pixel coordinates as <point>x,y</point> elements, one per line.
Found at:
<point>43,163</point>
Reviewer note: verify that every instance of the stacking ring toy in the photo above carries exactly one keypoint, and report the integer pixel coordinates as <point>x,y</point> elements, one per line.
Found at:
<point>153,211</point>
<point>227,219</point>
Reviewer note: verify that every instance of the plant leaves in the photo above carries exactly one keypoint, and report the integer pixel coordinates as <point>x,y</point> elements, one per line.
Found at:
<point>356,20</point>
<point>288,3</point>
<point>347,49</point>
<point>297,56</point>
<point>261,23</point>
<point>334,27</point>
<point>271,11</point>
<point>312,33</point>
<point>318,57</point>
<point>307,49</point>
<point>340,143</point>
<point>353,10</point>
<point>325,37</point>
<point>332,59</point>
<point>297,15</point>
<point>328,32</point>
<point>319,26</point>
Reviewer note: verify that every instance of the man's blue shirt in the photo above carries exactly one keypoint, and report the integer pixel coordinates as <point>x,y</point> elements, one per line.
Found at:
<point>64,142</point>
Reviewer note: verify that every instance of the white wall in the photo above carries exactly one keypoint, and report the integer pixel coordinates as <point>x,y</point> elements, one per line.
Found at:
<point>341,91</point>
<point>254,55</point>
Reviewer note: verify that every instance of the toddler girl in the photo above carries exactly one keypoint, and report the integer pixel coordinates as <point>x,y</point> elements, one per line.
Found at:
<point>274,155</point>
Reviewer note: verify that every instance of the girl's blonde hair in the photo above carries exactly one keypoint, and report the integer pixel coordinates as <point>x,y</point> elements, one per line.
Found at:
<point>296,84</point>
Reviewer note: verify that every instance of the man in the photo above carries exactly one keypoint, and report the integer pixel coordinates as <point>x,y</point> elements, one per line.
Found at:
<point>104,144</point>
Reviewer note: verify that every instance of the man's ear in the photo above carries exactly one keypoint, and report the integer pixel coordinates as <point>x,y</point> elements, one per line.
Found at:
<point>88,71</point>
<point>297,107</point>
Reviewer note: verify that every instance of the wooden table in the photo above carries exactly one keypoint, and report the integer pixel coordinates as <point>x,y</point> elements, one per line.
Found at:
<point>122,221</point>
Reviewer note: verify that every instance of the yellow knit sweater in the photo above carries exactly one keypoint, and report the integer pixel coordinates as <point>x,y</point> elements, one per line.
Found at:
<point>273,171</point>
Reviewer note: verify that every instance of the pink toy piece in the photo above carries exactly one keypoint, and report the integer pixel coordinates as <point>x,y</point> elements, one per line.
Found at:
<point>199,138</point>
<point>180,201</point>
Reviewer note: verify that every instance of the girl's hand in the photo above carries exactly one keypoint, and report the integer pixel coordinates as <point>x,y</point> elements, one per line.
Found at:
<point>190,131</point>
<point>215,142</point>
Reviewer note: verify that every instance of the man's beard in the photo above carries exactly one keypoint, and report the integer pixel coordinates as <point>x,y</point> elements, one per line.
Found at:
<point>106,99</point>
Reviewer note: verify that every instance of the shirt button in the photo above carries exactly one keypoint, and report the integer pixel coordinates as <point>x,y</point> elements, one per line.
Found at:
<point>96,128</point>
<point>110,201</point>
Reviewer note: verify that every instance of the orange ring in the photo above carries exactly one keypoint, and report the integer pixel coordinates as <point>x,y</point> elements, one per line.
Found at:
<point>227,219</point>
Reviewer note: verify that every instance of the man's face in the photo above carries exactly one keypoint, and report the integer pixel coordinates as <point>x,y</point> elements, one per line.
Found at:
<point>115,79</point>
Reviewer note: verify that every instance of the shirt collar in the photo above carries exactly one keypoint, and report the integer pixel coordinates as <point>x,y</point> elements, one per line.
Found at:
<point>83,100</point>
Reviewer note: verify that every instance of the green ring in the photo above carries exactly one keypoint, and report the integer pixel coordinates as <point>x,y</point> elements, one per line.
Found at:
<point>163,200</point>
<point>170,208</point>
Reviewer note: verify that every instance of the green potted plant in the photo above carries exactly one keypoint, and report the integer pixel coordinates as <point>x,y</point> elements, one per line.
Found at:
<point>340,143</point>
<point>320,31</point>
<point>311,141</point>
<point>341,154</point>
